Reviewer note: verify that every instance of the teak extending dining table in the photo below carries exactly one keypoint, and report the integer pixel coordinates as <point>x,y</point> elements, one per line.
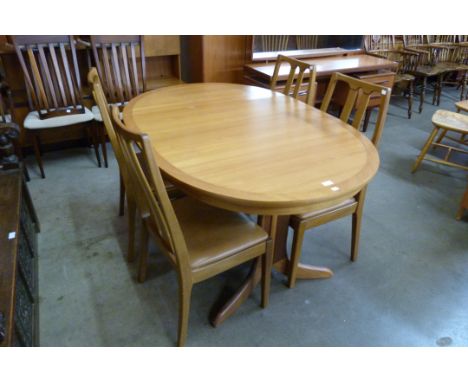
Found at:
<point>252,150</point>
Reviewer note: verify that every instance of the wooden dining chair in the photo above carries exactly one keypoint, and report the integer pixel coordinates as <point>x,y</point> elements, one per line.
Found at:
<point>358,96</point>
<point>125,184</point>
<point>294,86</point>
<point>200,241</point>
<point>386,47</point>
<point>427,66</point>
<point>121,66</point>
<point>53,85</point>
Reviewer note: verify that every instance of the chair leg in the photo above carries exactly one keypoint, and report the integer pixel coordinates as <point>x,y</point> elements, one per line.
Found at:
<point>102,135</point>
<point>356,225</point>
<point>121,196</point>
<point>463,85</point>
<point>37,153</point>
<point>267,263</point>
<point>441,136</point>
<point>423,94</point>
<point>424,150</point>
<point>131,207</point>
<point>144,252</point>
<point>185,294</point>
<point>95,144</point>
<point>410,98</point>
<point>298,238</point>
<point>436,89</point>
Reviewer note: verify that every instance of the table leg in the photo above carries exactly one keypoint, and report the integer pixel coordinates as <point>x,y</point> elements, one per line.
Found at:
<point>277,227</point>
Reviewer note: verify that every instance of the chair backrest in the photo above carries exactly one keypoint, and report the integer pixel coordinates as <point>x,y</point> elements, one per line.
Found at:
<point>274,43</point>
<point>413,41</point>
<point>379,42</point>
<point>51,73</point>
<point>150,193</point>
<point>307,41</point>
<point>121,65</point>
<point>357,99</point>
<point>101,101</point>
<point>295,78</point>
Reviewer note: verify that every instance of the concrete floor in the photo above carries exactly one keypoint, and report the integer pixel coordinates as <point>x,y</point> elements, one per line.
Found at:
<point>408,288</point>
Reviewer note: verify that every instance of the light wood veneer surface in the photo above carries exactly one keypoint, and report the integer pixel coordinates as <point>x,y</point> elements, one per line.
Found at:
<point>249,149</point>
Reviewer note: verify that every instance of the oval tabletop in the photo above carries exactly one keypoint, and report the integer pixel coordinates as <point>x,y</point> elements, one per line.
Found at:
<point>249,149</point>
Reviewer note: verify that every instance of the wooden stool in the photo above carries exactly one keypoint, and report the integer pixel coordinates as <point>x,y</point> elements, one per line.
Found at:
<point>463,205</point>
<point>461,106</point>
<point>445,121</point>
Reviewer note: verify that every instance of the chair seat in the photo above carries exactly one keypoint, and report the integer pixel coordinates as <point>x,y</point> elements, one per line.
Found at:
<point>229,232</point>
<point>450,120</point>
<point>404,77</point>
<point>325,211</point>
<point>462,105</point>
<point>32,120</point>
<point>427,70</point>
<point>451,66</point>
<point>97,113</point>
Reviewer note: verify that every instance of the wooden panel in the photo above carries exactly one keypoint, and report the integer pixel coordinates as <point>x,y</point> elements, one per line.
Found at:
<point>161,45</point>
<point>224,58</point>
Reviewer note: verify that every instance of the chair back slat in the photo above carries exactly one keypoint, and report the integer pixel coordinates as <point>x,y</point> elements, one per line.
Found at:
<point>126,73</point>
<point>52,80</point>
<point>359,95</point>
<point>379,42</point>
<point>58,74</point>
<point>306,42</point>
<point>50,85</point>
<point>274,43</point>
<point>36,75</point>
<point>150,192</point>
<point>70,96</point>
<point>119,66</point>
<point>295,78</point>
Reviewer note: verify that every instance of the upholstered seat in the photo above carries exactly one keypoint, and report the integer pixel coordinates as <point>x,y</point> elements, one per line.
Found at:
<point>229,232</point>
<point>32,120</point>
<point>97,113</point>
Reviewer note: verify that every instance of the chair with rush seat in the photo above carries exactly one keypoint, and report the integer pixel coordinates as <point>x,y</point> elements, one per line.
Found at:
<point>121,66</point>
<point>53,85</point>
<point>200,241</point>
<point>358,96</point>
<point>295,78</point>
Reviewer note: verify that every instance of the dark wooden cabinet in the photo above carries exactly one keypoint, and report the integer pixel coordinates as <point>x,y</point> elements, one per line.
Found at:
<point>19,226</point>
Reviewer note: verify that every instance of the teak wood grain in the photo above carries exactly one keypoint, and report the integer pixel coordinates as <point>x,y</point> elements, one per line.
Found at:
<point>249,149</point>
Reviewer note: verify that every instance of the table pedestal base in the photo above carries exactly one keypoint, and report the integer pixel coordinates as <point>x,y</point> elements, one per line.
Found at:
<point>278,228</point>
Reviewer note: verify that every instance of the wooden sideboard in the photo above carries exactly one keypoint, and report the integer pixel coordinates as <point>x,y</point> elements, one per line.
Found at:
<point>368,68</point>
<point>19,304</point>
